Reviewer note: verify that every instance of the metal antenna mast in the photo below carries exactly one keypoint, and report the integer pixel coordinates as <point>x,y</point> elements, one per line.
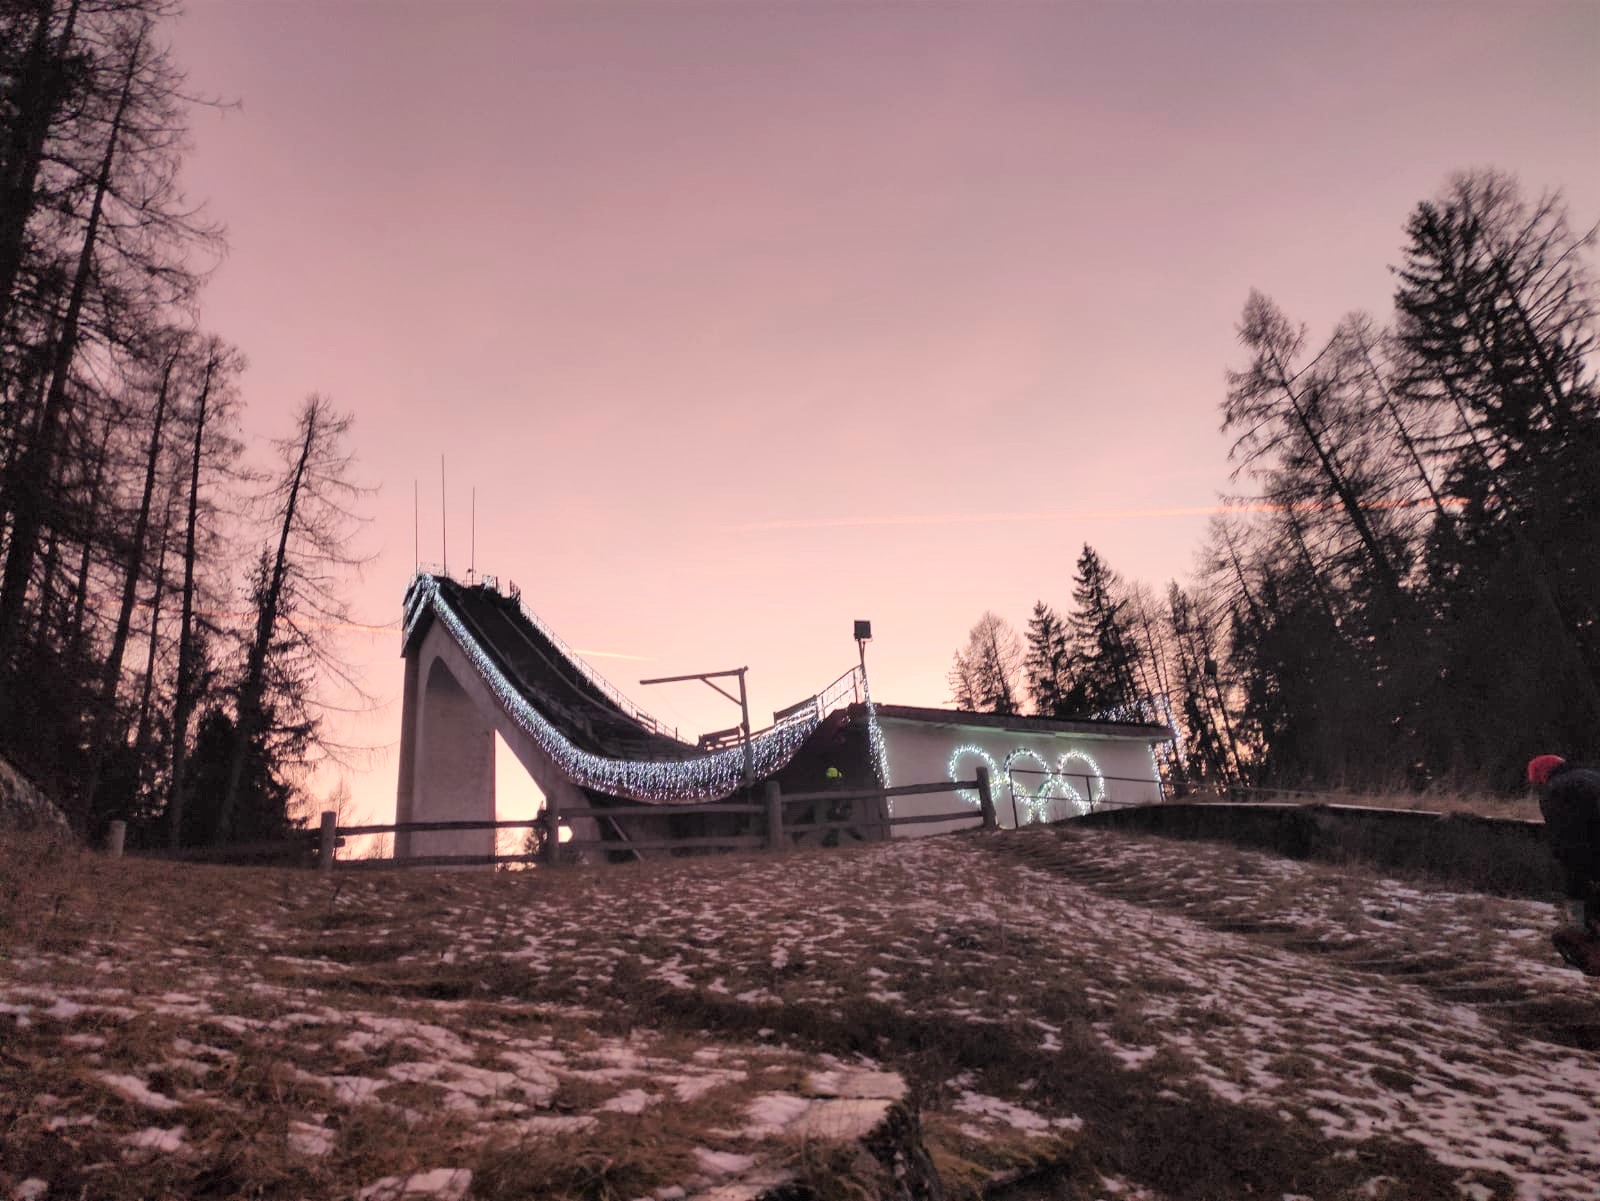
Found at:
<point>444,525</point>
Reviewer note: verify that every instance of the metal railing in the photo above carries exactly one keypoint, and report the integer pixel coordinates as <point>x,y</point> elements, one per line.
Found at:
<point>1096,798</point>
<point>823,702</point>
<point>609,690</point>
<point>833,696</point>
<point>843,691</point>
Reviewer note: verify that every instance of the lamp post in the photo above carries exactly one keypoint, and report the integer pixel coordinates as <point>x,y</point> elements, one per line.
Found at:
<point>863,636</point>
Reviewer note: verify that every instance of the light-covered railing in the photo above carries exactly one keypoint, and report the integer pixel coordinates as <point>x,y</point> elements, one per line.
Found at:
<point>843,691</point>
<point>609,690</point>
<point>694,777</point>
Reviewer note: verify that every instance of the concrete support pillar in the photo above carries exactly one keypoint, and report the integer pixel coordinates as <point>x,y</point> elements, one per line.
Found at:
<point>454,772</point>
<point>447,753</point>
<point>405,793</point>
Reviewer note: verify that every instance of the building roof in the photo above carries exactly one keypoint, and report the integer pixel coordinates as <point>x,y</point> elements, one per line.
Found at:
<point>1083,726</point>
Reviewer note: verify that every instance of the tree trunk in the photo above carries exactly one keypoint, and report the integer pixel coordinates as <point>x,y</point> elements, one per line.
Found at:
<point>141,528</point>
<point>250,690</point>
<point>47,585</point>
<point>1209,672</point>
<point>1341,487</point>
<point>35,468</point>
<point>141,740</point>
<point>39,92</point>
<point>183,700</point>
<point>1386,401</point>
<point>130,584</point>
<point>80,594</point>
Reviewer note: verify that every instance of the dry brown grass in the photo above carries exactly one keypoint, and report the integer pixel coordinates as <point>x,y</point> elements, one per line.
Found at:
<point>1126,1006</point>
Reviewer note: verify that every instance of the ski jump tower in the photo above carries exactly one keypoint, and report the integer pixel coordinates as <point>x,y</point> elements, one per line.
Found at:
<point>477,663</point>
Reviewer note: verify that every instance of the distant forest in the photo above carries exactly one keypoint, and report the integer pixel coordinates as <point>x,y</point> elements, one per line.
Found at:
<point>1408,594</point>
<point>163,609</point>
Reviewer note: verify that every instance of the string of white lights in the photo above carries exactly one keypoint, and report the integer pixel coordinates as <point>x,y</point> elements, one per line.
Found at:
<point>1036,805</point>
<point>704,777</point>
<point>875,741</point>
<point>1033,804</point>
<point>969,796</point>
<point>1141,711</point>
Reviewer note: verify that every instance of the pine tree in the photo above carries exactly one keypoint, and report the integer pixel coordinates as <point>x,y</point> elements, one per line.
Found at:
<point>1103,643</point>
<point>1048,663</point>
<point>1496,333</point>
<point>295,595</point>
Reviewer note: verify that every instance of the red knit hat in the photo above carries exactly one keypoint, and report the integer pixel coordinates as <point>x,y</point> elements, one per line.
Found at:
<point>1541,766</point>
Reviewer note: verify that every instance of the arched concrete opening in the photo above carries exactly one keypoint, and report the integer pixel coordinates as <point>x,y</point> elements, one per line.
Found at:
<point>447,753</point>
<point>454,767</point>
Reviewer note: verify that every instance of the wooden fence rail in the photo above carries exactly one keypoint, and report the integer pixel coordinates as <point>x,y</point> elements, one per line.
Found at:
<point>773,834</point>
<point>773,837</point>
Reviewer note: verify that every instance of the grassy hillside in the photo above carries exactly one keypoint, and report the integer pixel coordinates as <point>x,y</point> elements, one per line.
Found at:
<point>1140,1018</point>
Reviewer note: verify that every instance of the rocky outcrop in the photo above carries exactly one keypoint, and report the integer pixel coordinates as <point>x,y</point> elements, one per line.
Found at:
<point>24,807</point>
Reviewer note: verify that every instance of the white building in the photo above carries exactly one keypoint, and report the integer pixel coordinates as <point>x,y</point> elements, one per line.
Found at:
<point>1040,768</point>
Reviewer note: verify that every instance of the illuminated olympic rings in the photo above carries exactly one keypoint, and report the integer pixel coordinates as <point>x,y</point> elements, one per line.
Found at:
<point>1036,804</point>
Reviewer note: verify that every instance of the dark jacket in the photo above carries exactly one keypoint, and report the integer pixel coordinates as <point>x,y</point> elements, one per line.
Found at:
<point>1570,802</point>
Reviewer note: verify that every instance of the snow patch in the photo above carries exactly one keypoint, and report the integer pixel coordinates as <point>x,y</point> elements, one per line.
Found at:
<point>722,1163</point>
<point>133,1089</point>
<point>635,1100</point>
<point>158,1141</point>
<point>310,1141</point>
<point>442,1184</point>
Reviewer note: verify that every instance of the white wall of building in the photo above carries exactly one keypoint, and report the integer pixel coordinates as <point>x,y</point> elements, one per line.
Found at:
<point>1082,768</point>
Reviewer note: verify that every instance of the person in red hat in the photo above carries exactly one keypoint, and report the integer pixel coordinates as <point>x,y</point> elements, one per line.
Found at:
<point>1569,798</point>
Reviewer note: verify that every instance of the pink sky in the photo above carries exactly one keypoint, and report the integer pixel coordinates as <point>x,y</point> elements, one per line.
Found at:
<point>696,295</point>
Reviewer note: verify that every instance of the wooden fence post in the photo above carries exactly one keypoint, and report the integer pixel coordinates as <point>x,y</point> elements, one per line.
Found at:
<point>552,832</point>
<point>774,816</point>
<point>328,845</point>
<point>114,839</point>
<point>986,800</point>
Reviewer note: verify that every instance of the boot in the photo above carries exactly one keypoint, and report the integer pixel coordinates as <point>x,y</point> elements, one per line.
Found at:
<point>1580,947</point>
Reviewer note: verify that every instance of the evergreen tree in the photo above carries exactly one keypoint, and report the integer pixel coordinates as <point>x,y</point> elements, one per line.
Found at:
<point>1048,663</point>
<point>1202,704</point>
<point>1104,645</point>
<point>1496,333</point>
<point>296,596</point>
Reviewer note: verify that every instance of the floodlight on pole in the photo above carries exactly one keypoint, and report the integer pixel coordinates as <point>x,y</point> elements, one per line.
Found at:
<point>875,739</point>
<point>863,636</point>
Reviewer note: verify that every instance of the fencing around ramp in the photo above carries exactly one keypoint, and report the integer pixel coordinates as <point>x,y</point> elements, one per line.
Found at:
<point>769,827</point>
<point>1500,855</point>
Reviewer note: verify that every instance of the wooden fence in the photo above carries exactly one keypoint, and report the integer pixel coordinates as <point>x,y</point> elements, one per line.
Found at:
<point>321,846</point>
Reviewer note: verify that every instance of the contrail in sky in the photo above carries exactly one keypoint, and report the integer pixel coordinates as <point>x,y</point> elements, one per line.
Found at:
<point>909,519</point>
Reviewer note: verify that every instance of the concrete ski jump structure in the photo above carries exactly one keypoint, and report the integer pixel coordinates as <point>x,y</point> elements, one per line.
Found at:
<point>477,663</point>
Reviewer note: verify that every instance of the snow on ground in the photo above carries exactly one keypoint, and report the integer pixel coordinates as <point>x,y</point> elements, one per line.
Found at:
<point>1191,1020</point>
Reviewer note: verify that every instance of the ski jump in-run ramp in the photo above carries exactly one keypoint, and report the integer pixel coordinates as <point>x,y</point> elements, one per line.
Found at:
<point>477,663</point>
